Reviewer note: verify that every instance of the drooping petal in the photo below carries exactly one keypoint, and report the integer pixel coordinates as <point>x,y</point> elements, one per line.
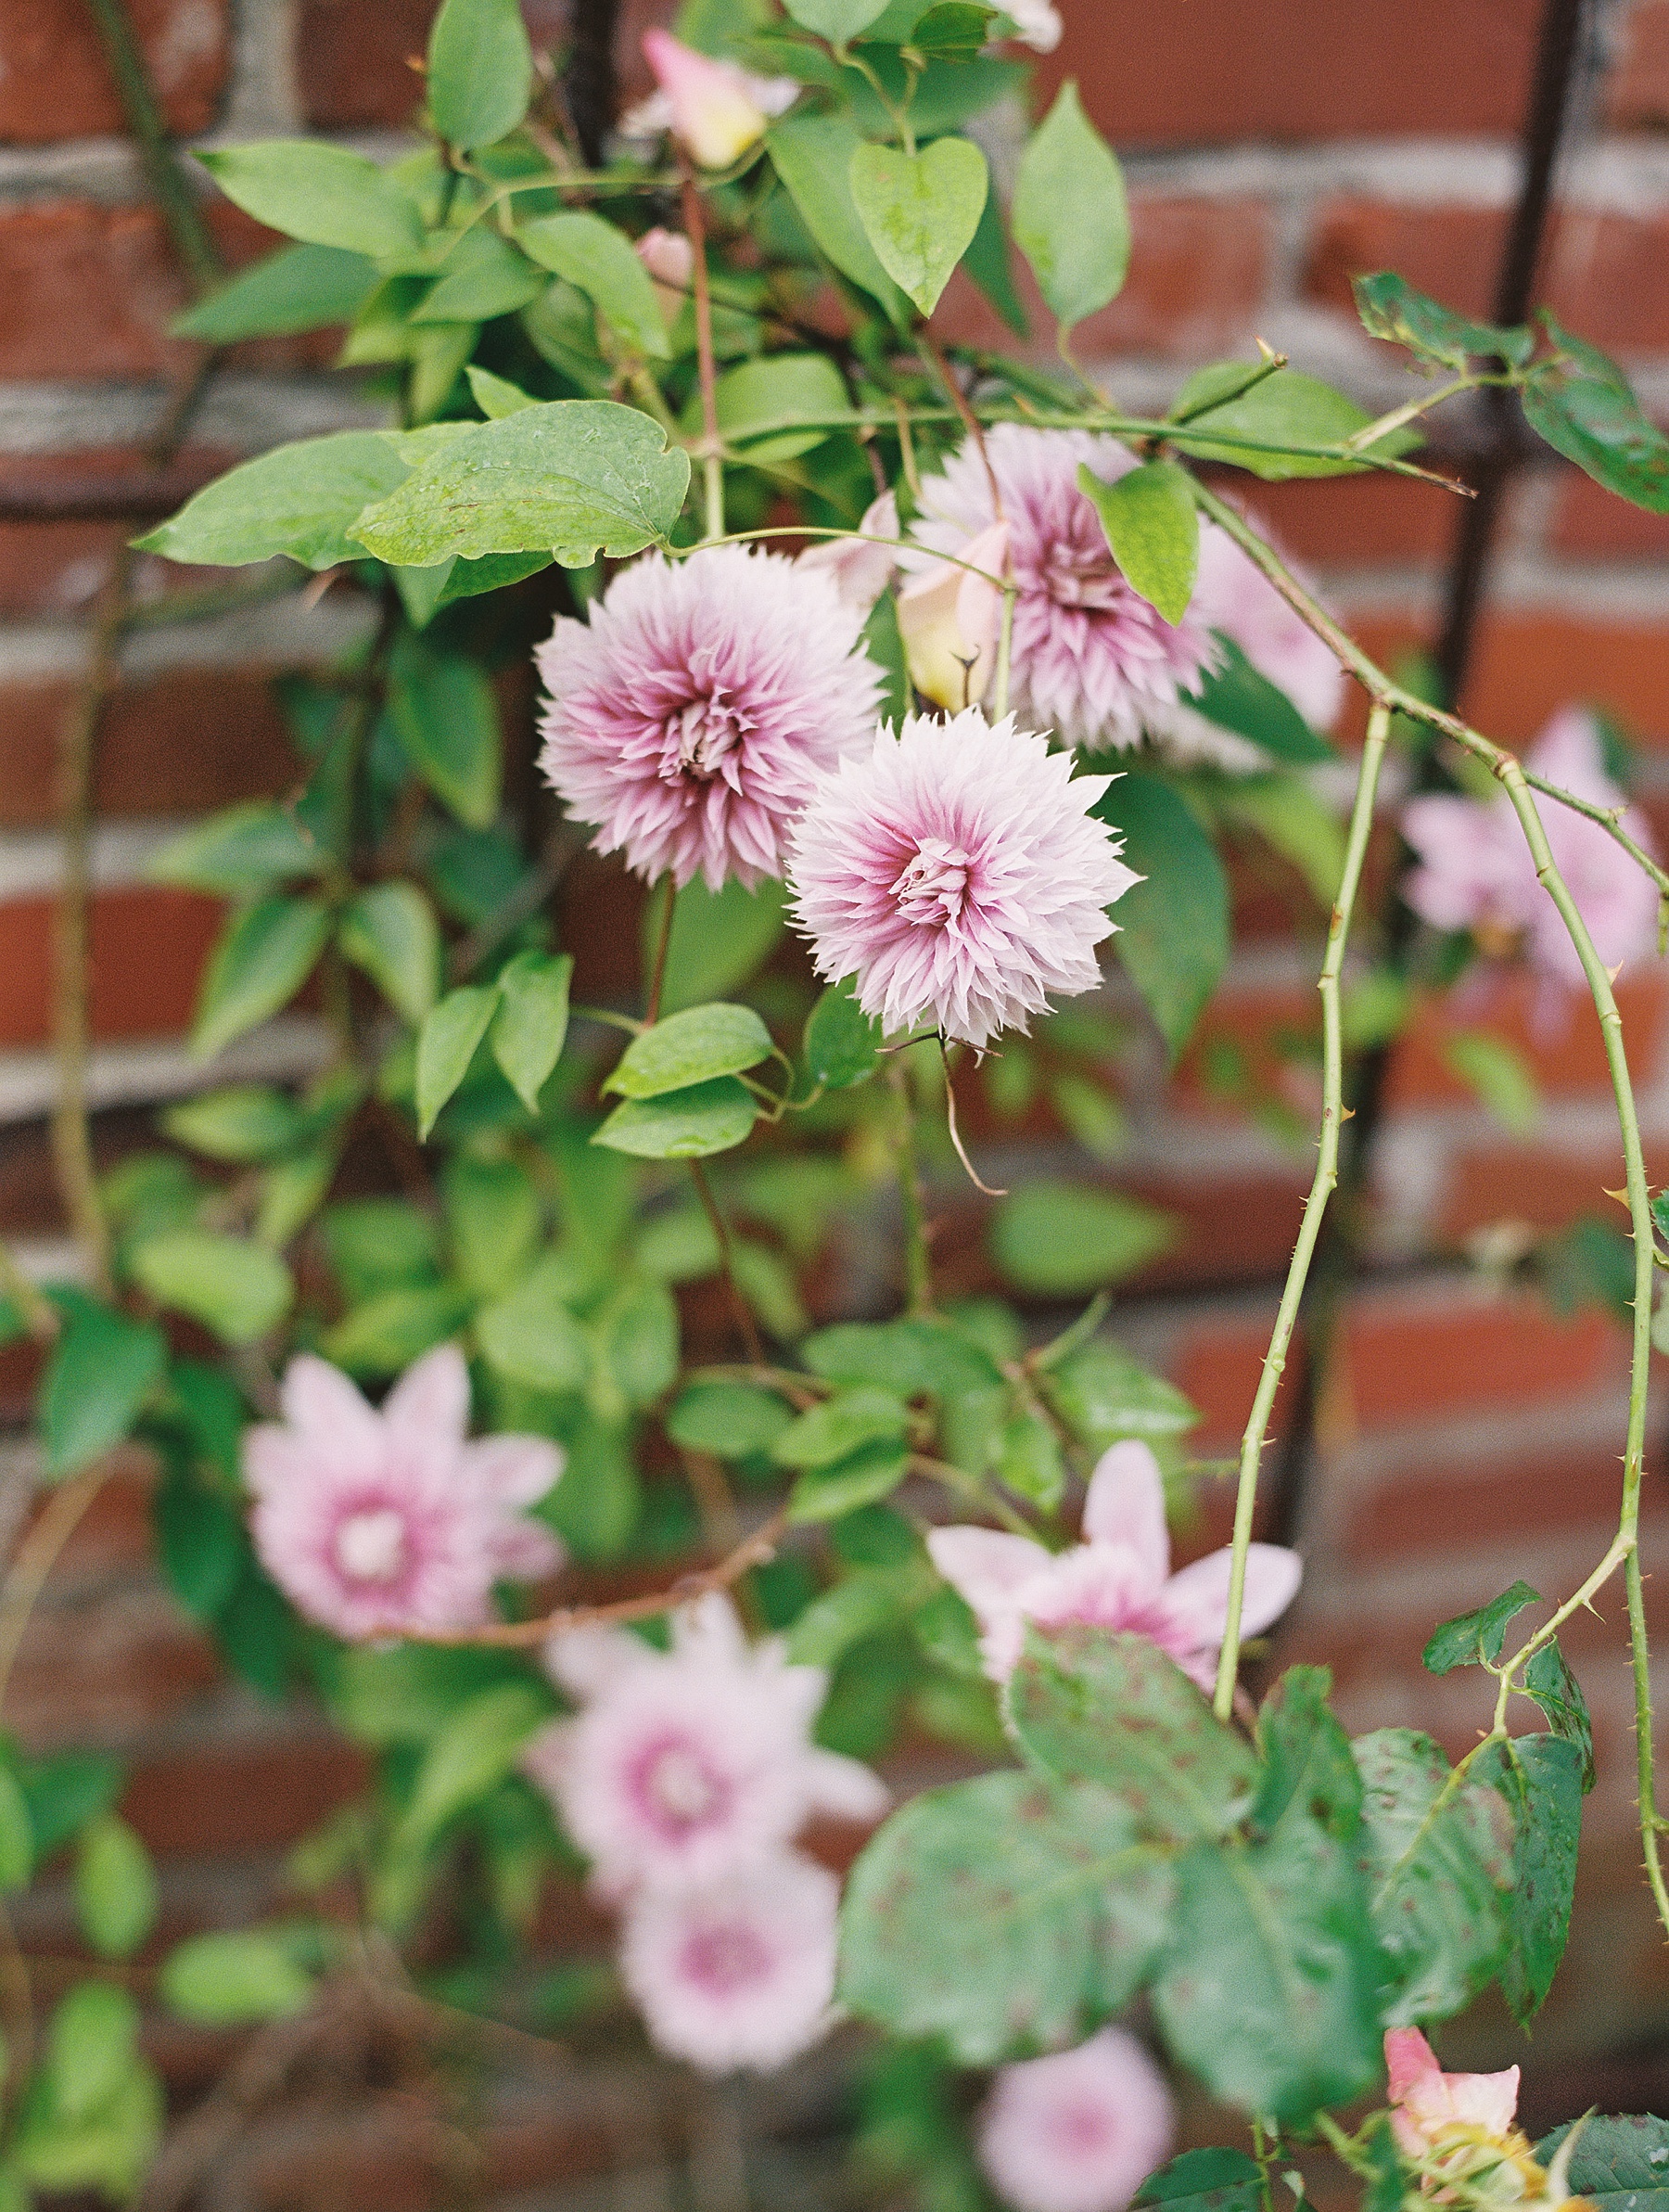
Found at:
<point>430,1401</point>
<point>949,619</point>
<point>1409,2059</point>
<point>984,1566</point>
<point>1125,1504</point>
<point>1196,1600</point>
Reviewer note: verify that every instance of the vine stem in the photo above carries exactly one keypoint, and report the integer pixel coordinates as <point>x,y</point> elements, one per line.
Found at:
<point>918,1265</point>
<point>663,945</point>
<point>37,1555</point>
<point>712,464</point>
<point>745,1326</point>
<point>1315,1206</point>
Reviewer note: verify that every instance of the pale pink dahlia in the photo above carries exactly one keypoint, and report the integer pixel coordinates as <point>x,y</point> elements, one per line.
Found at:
<point>1079,2132</point>
<point>1119,1577</point>
<point>740,1970</point>
<point>689,717</point>
<point>374,1523</point>
<point>1476,872</point>
<point>1091,661</point>
<point>959,874</point>
<point>685,1763</point>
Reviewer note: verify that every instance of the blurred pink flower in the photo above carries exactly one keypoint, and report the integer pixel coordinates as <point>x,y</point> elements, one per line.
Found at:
<point>1093,661</point>
<point>1037,23</point>
<point>859,569</point>
<point>377,1522</point>
<point>950,620</point>
<point>1079,2132</point>
<point>958,873</point>
<point>1119,1577</point>
<point>683,1764</point>
<point>715,109</point>
<point>1427,2104</point>
<point>687,719</point>
<point>1476,872</point>
<point>1234,595</point>
<point>740,1971</point>
<point>670,257</point>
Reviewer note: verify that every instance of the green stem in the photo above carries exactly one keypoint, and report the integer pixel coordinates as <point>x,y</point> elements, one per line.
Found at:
<point>745,1326</point>
<point>663,945</point>
<point>712,463</point>
<point>163,174</point>
<point>1315,1206</point>
<point>918,1267</point>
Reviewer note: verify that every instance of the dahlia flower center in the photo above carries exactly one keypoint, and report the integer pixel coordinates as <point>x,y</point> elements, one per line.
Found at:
<point>933,890</point>
<point>1082,575</point>
<point>701,739</point>
<point>727,1957</point>
<point>677,1787</point>
<point>370,1546</point>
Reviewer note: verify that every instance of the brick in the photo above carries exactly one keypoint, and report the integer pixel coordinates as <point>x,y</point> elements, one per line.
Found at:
<point>1295,69</point>
<point>56,568</point>
<point>1441,1507</point>
<point>1638,93</point>
<point>353,56</point>
<point>55,81</point>
<point>1199,273</point>
<point>148,949</point>
<point>1349,522</point>
<point>1608,278</point>
<point>1217,1363</point>
<point>1595,525</point>
<point>1413,1360</point>
<point>1563,1044</point>
<point>1527,1183</point>
<point>241,1795</point>
<point>1527,662</point>
<point>107,1669</point>
<point>1450,253</point>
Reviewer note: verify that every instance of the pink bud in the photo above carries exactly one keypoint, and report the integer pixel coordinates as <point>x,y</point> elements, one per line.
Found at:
<point>950,620</point>
<point>715,108</point>
<point>671,260</point>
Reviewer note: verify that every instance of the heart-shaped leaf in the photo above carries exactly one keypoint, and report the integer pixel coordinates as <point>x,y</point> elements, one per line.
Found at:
<point>920,210</point>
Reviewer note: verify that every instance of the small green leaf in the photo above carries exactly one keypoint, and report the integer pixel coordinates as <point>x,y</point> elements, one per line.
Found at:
<point>691,1048</point>
<point>692,1124</point>
<point>495,396</point>
<point>1501,1076</point>
<point>953,31</point>
<point>907,1357</point>
<point>299,500</point>
<point>321,194</point>
<point>1477,1639</point>
<point>17,1834</point>
<point>1550,1684</point>
<point>1240,698</point>
<point>242,851</point>
<point>1028,1461</point>
<point>728,1419</point>
<point>444,713</point>
<point>862,1477</point>
<point>300,288</point>
<point>1172,937</point>
<point>1102,1395</point>
<point>719,939</point>
<point>597,259</point>
<point>389,1331</point>
<point>390,931</point>
<point>532,1025</point>
<point>446,1046</point>
<point>230,1976</point>
<point>842,1043</point>
<point>920,210</point>
<point>1213,2181</point>
<point>102,1369</point>
<point>91,2048</point>
<point>1283,418</point>
<point>637,1342</point>
<point>813,158</point>
<point>493,1217</point>
<point>263,957</point>
<point>1392,309</point>
<point>470,1754</point>
<point>480,71</point>
<point>531,1333</point>
<point>202,1542</point>
<point>1070,216</point>
<point>247,1122</point>
<point>116,1897</point>
<point>1541,1779</point>
<point>482,277</point>
<point>838,1427</point>
<point>236,1287</point>
<point>1152,528</point>
<point>1062,1240</point>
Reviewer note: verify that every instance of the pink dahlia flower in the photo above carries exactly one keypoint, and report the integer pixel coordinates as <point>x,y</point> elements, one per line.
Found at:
<point>1079,2132</point>
<point>739,1971</point>
<point>375,1523</point>
<point>1232,593</point>
<point>689,717</point>
<point>959,874</point>
<point>684,1764</point>
<point>1476,872</point>
<point>715,109</point>
<point>1428,2105</point>
<point>859,569</point>
<point>1119,1577</point>
<point>1092,659</point>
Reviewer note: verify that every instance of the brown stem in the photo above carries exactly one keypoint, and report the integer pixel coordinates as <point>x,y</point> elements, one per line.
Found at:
<point>969,421</point>
<point>37,1555</point>
<point>727,1258</point>
<point>167,181</point>
<point>711,462</point>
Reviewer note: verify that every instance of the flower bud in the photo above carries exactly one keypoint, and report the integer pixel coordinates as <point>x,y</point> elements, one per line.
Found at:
<point>670,257</point>
<point>950,620</point>
<point>715,109</point>
<point>859,567</point>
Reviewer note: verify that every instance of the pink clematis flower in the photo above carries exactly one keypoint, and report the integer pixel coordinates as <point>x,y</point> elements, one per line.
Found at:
<point>689,716</point>
<point>684,1764</point>
<point>1077,2131</point>
<point>739,1971</point>
<point>959,874</point>
<point>1428,2105</point>
<point>1119,1577</point>
<point>859,569</point>
<point>951,620</point>
<point>715,109</point>
<point>373,1523</point>
<point>1476,872</point>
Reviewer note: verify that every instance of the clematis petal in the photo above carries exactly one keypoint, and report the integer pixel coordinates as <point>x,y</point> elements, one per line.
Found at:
<point>984,1567</point>
<point>1125,1505</point>
<point>844,1787</point>
<point>1409,2059</point>
<point>320,1401</point>
<point>1197,1599</point>
<point>511,1470</point>
<point>430,1401</point>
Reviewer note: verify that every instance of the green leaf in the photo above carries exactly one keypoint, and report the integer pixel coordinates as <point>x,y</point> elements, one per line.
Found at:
<point>299,500</point>
<point>1541,1779</point>
<point>1070,217</point>
<point>116,1897</point>
<point>1292,821</point>
<point>480,71</point>
<point>719,939</point>
<point>691,1048</point>
<point>838,21</point>
<point>390,931</point>
<point>64,1792</point>
<point>446,718</point>
<point>102,1369</point>
<point>1173,927</point>
<point>495,396</point>
<point>482,277</point>
<point>202,1542</point>
<point>1063,1239</point>
<point>758,395</point>
<point>838,1427</point>
<point>907,1357</point>
<point>1268,1987</point>
<point>1549,1682</point>
<point>532,1025</point>
<point>813,158</point>
<point>575,477</point>
<point>1240,698</point>
<point>493,1216</point>
<point>469,1755</point>
<point>637,1342</point>
<point>953,31</point>
<point>1028,1461</point>
<point>1213,2181</point>
<point>1091,1706</point>
<point>17,1834</point>
<point>598,261</point>
<point>262,959</point>
<point>862,1477</point>
<point>842,1043</point>
<point>1618,2164</point>
<point>868,1603</point>
<point>1437,1857</point>
<point>1477,1639</point>
<point>692,1124</point>
<point>730,1420</point>
<point>1000,1915</point>
<point>1103,1395</point>
<point>446,1046</point>
<point>241,851</point>
<point>1305,1758</point>
<point>238,1288</point>
<point>389,1331</point>
<point>300,288</point>
<point>321,194</point>
<point>1152,528</point>
<point>1392,309</point>
<point>247,1122</point>
<point>596,1506</point>
<point>92,2045</point>
<point>531,1335</point>
<point>920,210</point>
<point>231,1976</point>
<point>1501,1076</point>
<point>1285,416</point>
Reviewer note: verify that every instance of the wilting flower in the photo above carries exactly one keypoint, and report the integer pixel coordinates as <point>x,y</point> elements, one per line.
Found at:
<point>715,109</point>
<point>739,1971</point>
<point>1232,593</point>
<point>1477,873</point>
<point>859,569</point>
<point>1427,2103</point>
<point>1092,659</point>
<point>1119,1577</point>
<point>669,259</point>
<point>377,1522</point>
<point>1079,2132</point>
<point>959,874</point>
<point>1456,2130</point>
<point>689,716</point>
<point>1037,23</point>
<point>684,1764</point>
<point>950,620</point>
